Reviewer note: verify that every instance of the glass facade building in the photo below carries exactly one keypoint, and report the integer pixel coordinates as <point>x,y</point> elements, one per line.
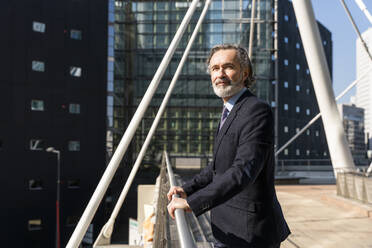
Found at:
<point>143,32</point>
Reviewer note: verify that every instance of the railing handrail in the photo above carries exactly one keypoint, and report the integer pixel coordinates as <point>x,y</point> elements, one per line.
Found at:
<point>103,184</point>
<point>184,233</point>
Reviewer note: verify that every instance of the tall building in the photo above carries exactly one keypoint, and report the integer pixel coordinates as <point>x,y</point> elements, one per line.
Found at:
<point>52,94</point>
<point>353,121</point>
<point>296,103</point>
<point>364,86</point>
<point>143,32</point>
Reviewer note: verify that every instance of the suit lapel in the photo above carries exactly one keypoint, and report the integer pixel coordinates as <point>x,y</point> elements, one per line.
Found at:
<point>229,120</point>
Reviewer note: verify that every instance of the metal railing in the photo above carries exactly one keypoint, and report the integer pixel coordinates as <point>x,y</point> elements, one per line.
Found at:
<point>184,233</point>
<point>355,185</point>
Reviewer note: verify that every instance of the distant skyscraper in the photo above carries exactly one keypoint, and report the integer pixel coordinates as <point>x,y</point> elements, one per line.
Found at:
<point>353,121</point>
<point>364,87</point>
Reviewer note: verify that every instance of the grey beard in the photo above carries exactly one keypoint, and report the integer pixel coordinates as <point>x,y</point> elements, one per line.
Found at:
<point>227,91</point>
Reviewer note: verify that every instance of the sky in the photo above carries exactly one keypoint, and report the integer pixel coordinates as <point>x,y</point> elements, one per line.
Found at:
<point>333,16</point>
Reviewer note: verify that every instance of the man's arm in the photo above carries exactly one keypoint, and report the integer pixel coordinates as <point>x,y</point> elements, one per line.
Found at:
<point>255,142</point>
<point>199,181</point>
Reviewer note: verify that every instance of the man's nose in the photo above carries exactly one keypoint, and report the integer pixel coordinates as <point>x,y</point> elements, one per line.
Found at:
<point>221,73</point>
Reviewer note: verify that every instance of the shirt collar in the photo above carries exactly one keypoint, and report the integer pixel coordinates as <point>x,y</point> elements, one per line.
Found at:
<point>231,102</point>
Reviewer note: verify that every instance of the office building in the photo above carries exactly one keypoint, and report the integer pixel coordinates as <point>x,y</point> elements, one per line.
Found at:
<point>296,103</point>
<point>364,86</point>
<point>52,94</point>
<point>144,30</point>
<point>353,121</point>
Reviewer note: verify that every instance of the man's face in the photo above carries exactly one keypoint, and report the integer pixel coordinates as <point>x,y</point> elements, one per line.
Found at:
<point>226,74</point>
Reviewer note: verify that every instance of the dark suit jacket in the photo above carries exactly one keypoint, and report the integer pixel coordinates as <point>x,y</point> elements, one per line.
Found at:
<point>238,186</point>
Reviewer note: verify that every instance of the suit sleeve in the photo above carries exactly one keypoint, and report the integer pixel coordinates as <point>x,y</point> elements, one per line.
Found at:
<point>199,181</point>
<point>255,142</point>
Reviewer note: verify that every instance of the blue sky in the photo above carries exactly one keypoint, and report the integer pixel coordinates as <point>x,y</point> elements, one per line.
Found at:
<point>332,15</point>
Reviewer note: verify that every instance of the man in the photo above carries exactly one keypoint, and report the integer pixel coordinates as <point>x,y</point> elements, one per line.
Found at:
<point>238,186</point>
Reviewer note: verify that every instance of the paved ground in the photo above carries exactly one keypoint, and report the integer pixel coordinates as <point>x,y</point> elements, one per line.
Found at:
<point>320,219</point>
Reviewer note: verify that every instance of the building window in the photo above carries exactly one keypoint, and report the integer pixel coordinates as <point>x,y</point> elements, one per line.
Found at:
<point>36,144</point>
<point>38,27</point>
<point>298,152</point>
<point>298,45</point>
<point>73,184</point>
<point>286,62</point>
<point>75,34</point>
<point>286,152</point>
<point>286,18</point>
<point>307,111</point>
<point>297,129</point>
<point>307,71</point>
<point>297,87</point>
<point>74,108</point>
<point>324,42</point>
<point>297,67</point>
<point>285,84</point>
<point>35,184</point>
<point>285,106</point>
<point>297,109</point>
<point>307,91</point>
<point>75,71</point>
<point>316,133</point>
<point>307,152</point>
<point>273,104</point>
<point>74,145</point>
<point>72,220</point>
<point>324,153</point>
<point>308,132</point>
<point>37,105</point>
<point>285,39</point>
<point>286,129</point>
<point>38,66</point>
<point>34,225</point>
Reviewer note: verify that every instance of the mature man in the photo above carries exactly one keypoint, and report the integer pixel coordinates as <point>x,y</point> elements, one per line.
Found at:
<point>238,186</point>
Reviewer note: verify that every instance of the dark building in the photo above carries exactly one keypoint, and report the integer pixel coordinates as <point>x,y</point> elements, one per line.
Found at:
<point>296,103</point>
<point>52,94</point>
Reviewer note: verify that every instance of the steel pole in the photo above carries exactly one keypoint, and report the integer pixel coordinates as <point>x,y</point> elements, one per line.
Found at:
<point>253,13</point>
<point>337,144</point>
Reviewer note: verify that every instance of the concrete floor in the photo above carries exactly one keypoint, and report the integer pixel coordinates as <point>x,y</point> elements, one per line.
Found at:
<point>320,219</point>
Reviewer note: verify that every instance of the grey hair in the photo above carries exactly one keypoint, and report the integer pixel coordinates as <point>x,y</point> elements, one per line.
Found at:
<point>243,58</point>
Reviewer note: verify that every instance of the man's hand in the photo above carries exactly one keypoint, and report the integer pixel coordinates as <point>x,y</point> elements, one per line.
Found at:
<point>178,203</point>
<point>176,190</point>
